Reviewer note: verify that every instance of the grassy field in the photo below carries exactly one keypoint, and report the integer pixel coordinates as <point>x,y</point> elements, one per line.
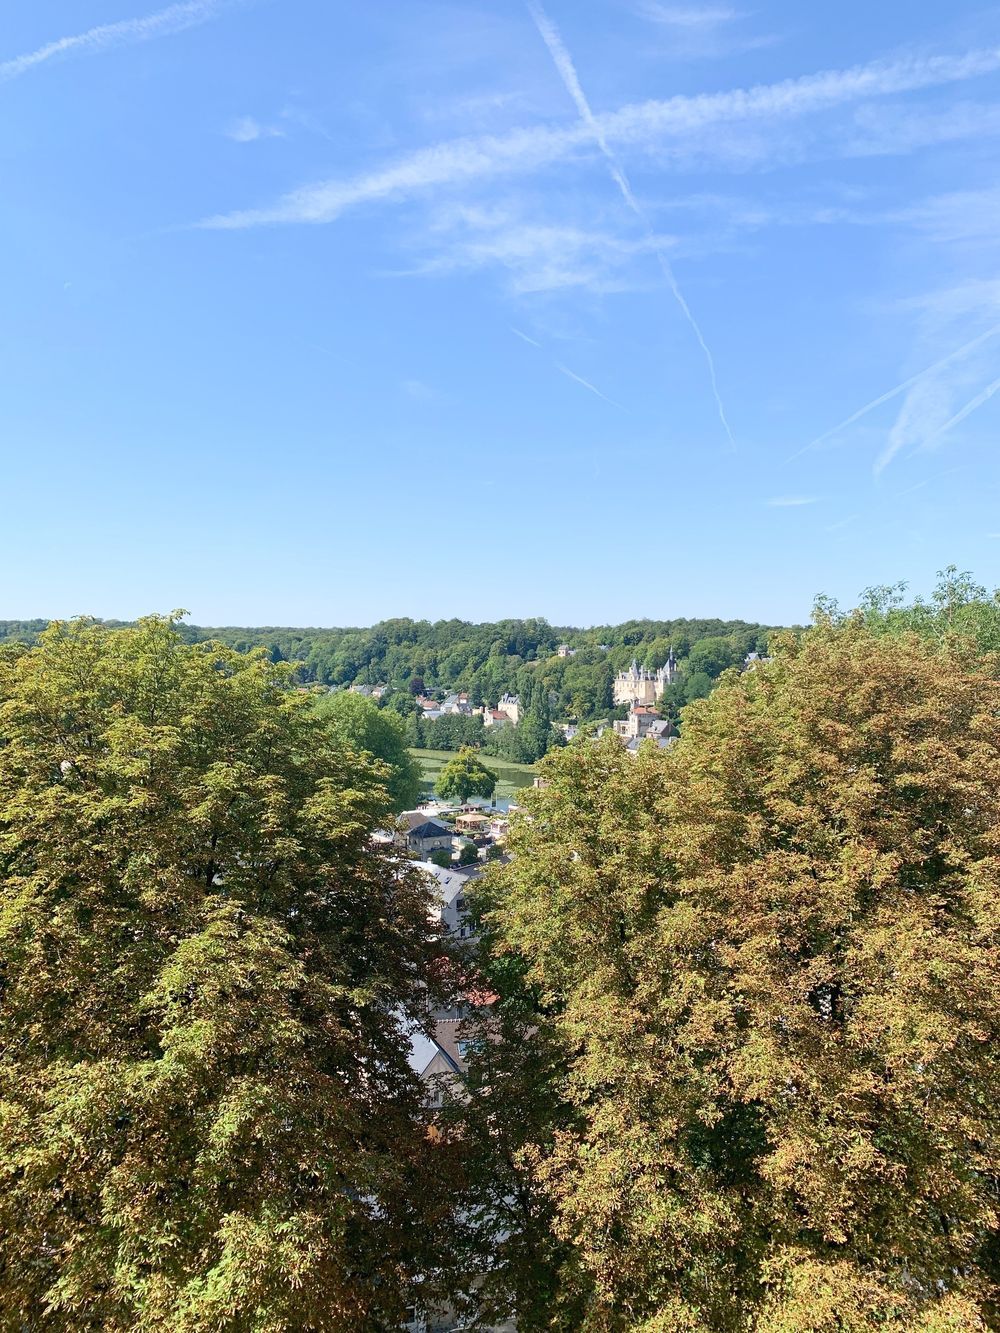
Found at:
<point>512,776</point>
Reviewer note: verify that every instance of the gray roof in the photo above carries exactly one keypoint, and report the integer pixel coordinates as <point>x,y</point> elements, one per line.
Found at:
<point>448,884</point>
<point>432,829</point>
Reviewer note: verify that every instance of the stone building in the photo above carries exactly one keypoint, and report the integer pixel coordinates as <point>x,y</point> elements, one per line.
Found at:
<point>637,686</point>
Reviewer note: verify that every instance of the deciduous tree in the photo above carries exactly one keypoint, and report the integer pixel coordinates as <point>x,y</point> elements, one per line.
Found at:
<point>207,970</point>
<point>770,957</point>
<point>360,725</point>
<point>464,776</point>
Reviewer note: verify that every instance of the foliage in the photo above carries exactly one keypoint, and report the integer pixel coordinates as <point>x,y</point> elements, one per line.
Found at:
<point>451,731</point>
<point>487,660</point>
<point>713,656</point>
<point>768,958</point>
<point>360,725</point>
<point>207,1118</point>
<point>464,776</point>
<point>504,1237</point>
<point>957,606</point>
<point>468,854</point>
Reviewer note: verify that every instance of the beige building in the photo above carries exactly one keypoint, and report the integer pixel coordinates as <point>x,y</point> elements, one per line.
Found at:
<point>641,720</point>
<point>637,686</point>
<point>510,706</point>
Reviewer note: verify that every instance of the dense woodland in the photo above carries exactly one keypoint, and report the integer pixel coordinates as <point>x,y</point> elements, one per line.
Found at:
<point>414,657</point>
<point>731,1018</point>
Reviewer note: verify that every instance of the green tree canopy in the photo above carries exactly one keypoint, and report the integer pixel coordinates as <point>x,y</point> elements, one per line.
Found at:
<point>464,776</point>
<point>359,724</point>
<point>713,656</point>
<point>207,974</point>
<point>768,961</point>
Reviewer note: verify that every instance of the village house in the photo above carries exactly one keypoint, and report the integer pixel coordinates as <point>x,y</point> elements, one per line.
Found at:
<point>421,835</point>
<point>492,717</point>
<point>449,899</point>
<point>510,705</point>
<point>499,828</point>
<point>658,736</point>
<point>429,837</point>
<point>642,721</point>
<point>564,650</point>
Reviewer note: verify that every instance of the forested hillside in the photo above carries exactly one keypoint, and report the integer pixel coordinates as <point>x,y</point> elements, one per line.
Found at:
<point>414,656</point>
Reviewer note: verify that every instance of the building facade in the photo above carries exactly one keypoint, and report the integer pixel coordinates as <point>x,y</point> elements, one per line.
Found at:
<point>510,705</point>
<point>639,687</point>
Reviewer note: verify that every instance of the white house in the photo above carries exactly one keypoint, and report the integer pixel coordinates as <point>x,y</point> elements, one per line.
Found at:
<point>510,704</point>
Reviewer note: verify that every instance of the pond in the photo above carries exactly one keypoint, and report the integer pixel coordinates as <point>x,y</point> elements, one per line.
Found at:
<point>511,776</point>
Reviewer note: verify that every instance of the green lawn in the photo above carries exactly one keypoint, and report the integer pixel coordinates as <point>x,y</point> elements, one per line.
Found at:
<point>511,776</point>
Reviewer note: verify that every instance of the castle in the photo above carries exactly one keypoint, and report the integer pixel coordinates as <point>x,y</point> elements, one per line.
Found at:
<point>637,686</point>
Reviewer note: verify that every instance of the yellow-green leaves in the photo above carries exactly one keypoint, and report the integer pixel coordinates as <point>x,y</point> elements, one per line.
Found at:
<point>207,971</point>
<point>771,955</point>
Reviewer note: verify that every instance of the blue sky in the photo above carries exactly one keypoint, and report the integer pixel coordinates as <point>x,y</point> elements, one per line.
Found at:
<point>315,313</point>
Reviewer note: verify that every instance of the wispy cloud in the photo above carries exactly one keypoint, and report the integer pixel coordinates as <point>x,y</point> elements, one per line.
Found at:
<point>686,16</point>
<point>790,501</point>
<point>960,215</point>
<point>896,129</point>
<point>107,36</point>
<point>967,410</point>
<point>644,126</point>
<point>842,524</point>
<point>247,130</point>
<point>540,256</point>
<point>929,411</point>
<point>943,396</point>
<point>418,390</point>
<point>567,72</point>
<point>925,482</point>
<point>473,109</point>
<point>924,411</point>
<point>922,376</point>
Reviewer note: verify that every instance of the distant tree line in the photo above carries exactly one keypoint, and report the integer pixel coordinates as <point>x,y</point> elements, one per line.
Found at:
<point>416,657</point>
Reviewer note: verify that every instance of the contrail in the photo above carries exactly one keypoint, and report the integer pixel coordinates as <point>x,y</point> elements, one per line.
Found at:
<point>967,410</point>
<point>524,337</point>
<point>587,385</point>
<point>894,393</point>
<point>173,19</point>
<point>565,370</point>
<point>567,72</point>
